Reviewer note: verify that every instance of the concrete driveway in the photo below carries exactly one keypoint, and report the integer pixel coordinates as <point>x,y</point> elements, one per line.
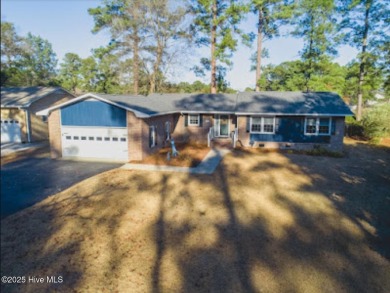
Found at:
<point>12,147</point>
<point>28,181</point>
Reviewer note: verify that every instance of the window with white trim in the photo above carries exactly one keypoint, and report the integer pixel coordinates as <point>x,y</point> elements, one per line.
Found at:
<point>262,125</point>
<point>152,136</point>
<point>193,119</point>
<point>318,126</point>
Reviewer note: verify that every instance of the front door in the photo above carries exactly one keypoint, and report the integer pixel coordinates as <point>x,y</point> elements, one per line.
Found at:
<point>222,125</point>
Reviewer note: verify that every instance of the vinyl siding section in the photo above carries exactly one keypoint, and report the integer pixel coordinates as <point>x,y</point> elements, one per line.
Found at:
<point>93,113</point>
<point>290,129</point>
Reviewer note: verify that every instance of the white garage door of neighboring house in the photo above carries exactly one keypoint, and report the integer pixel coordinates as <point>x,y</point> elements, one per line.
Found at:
<point>10,131</point>
<point>95,142</point>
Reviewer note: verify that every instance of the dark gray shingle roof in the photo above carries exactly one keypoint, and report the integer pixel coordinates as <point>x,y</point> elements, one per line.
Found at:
<point>274,103</point>
<point>293,103</point>
<point>23,96</point>
<point>166,103</point>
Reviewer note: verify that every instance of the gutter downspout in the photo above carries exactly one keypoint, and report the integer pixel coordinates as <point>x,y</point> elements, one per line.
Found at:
<point>28,125</point>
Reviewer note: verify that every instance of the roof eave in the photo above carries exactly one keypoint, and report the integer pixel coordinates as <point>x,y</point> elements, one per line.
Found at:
<point>206,112</point>
<point>13,106</point>
<point>47,111</point>
<point>295,114</point>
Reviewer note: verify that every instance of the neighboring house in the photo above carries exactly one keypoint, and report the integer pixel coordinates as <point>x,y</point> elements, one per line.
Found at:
<point>120,127</point>
<point>19,123</point>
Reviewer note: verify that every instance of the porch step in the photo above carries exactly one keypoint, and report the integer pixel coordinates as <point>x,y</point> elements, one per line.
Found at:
<point>225,143</point>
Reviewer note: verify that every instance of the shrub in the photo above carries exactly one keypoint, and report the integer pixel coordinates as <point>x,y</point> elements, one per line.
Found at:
<point>354,129</point>
<point>324,152</point>
<point>376,122</point>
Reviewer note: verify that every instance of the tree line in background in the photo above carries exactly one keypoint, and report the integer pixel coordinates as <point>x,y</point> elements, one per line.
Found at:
<point>150,38</point>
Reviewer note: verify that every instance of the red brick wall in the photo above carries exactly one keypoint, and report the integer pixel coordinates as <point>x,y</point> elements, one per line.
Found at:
<point>190,133</point>
<point>243,136</point>
<point>55,134</point>
<point>135,136</point>
<point>161,135</point>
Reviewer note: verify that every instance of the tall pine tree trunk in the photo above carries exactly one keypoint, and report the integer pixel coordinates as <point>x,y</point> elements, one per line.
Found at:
<point>259,49</point>
<point>136,63</point>
<point>156,67</point>
<point>309,68</point>
<point>363,61</point>
<point>213,44</point>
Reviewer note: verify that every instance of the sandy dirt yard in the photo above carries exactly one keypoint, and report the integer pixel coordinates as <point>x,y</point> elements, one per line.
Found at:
<point>266,222</point>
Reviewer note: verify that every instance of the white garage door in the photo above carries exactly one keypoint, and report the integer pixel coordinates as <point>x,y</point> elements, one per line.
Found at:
<point>10,131</point>
<point>95,142</point>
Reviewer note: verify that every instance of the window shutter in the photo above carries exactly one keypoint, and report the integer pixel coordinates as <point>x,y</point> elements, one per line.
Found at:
<point>248,123</point>
<point>200,120</point>
<point>303,125</point>
<point>150,136</point>
<point>333,129</point>
<point>155,135</point>
<point>185,120</point>
<point>277,122</point>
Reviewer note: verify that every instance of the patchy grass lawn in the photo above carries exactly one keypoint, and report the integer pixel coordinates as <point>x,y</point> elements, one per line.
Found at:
<point>190,155</point>
<point>269,222</point>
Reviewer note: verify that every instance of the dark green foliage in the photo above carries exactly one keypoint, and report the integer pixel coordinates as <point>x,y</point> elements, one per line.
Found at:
<point>374,125</point>
<point>315,23</point>
<point>320,151</point>
<point>290,76</point>
<point>373,80</point>
<point>70,72</point>
<point>39,61</point>
<point>365,26</point>
<point>376,122</point>
<point>25,61</point>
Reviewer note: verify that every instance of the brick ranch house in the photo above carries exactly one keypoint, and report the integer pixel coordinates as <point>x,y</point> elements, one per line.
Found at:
<point>19,123</point>
<point>127,128</point>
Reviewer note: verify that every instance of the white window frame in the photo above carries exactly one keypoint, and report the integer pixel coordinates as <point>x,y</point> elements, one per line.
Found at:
<point>152,133</point>
<point>217,125</point>
<point>261,124</point>
<point>317,125</point>
<point>189,120</point>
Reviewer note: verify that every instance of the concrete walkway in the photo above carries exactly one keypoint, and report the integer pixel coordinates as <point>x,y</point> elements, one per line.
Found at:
<point>207,166</point>
<point>9,148</point>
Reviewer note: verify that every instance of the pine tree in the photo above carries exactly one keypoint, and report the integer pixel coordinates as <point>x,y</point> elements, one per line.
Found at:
<point>271,15</point>
<point>216,25</point>
<point>315,23</point>
<point>365,24</point>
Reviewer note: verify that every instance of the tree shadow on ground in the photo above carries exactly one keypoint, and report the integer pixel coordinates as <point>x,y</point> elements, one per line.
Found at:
<point>266,222</point>
<point>54,237</point>
<point>276,234</point>
<point>359,187</point>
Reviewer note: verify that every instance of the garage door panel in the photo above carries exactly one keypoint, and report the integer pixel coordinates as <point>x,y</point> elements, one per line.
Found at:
<point>105,143</point>
<point>10,131</point>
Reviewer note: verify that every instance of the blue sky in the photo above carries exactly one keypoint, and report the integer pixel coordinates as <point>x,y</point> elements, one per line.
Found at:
<point>67,26</point>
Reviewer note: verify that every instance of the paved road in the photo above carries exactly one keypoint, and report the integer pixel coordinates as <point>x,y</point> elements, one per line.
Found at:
<point>28,181</point>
